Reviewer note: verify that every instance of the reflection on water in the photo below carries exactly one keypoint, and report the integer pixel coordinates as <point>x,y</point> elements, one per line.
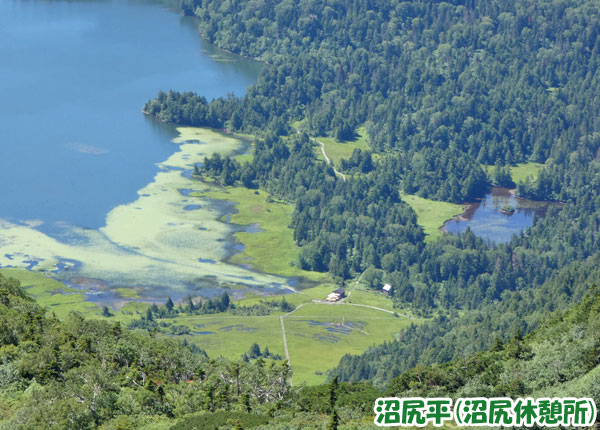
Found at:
<point>486,219</point>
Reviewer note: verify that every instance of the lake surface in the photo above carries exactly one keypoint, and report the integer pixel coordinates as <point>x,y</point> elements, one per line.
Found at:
<point>91,188</point>
<point>74,76</point>
<point>487,221</point>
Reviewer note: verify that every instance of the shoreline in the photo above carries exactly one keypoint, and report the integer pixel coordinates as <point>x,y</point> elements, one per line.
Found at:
<point>522,203</point>
<point>152,241</point>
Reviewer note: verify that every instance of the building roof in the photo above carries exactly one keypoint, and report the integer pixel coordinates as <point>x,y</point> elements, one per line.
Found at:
<point>387,287</point>
<point>340,291</point>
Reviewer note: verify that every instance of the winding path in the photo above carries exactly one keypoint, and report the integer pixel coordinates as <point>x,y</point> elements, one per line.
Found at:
<point>327,159</point>
<point>322,145</point>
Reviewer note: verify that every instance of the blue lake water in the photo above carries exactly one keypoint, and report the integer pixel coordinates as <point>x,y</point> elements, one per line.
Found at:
<point>74,76</point>
<point>486,220</point>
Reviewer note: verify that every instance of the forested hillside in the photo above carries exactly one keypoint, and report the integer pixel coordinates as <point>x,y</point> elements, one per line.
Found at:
<point>442,88</point>
<point>485,81</point>
<point>459,336</point>
<point>84,374</point>
<point>561,358</point>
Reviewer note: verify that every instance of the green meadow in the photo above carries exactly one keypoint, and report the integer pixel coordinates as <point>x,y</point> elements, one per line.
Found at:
<point>336,151</point>
<point>318,334</point>
<point>432,214</point>
<point>271,250</point>
<point>519,172</point>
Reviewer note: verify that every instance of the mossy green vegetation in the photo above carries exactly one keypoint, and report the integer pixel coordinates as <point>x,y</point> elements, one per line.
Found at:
<point>271,250</point>
<point>336,151</point>
<point>128,293</point>
<point>151,241</point>
<point>432,214</point>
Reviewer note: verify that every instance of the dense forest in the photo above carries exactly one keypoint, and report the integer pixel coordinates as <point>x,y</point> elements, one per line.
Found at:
<point>437,81</point>
<point>561,358</point>
<point>442,89</point>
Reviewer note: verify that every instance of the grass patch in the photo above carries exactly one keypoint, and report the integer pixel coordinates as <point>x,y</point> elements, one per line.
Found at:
<point>128,293</point>
<point>521,171</point>
<point>245,158</point>
<point>232,335</point>
<point>518,172</point>
<point>370,298</point>
<point>319,335</point>
<point>272,249</point>
<point>431,214</point>
<point>337,151</point>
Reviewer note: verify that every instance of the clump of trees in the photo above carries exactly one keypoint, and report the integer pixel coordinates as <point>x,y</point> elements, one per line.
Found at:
<point>254,353</point>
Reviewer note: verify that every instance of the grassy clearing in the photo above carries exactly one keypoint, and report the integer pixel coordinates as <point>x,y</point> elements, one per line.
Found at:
<point>245,158</point>
<point>128,293</point>
<point>319,335</point>
<point>432,214</point>
<point>232,335</point>
<point>370,298</point>
<point>521,171</point>
<point>518,172</point>
<point>273,249</point>
<point>336,151</point>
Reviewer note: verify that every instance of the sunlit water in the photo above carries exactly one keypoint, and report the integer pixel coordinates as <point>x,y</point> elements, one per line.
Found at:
<point>486,219</point>
<point>73,79</point>
<point>92,188</point>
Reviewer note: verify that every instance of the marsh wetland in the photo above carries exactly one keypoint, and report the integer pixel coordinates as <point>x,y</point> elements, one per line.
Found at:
<point>96,194</point>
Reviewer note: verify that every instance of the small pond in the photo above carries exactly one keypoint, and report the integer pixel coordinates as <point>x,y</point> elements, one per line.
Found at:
<point>487,219</point>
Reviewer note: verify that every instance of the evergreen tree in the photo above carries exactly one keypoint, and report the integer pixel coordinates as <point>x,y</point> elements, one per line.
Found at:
<point>333,421</point>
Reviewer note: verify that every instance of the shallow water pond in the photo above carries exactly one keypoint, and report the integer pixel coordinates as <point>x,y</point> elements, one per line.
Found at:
<point>489,218</point>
